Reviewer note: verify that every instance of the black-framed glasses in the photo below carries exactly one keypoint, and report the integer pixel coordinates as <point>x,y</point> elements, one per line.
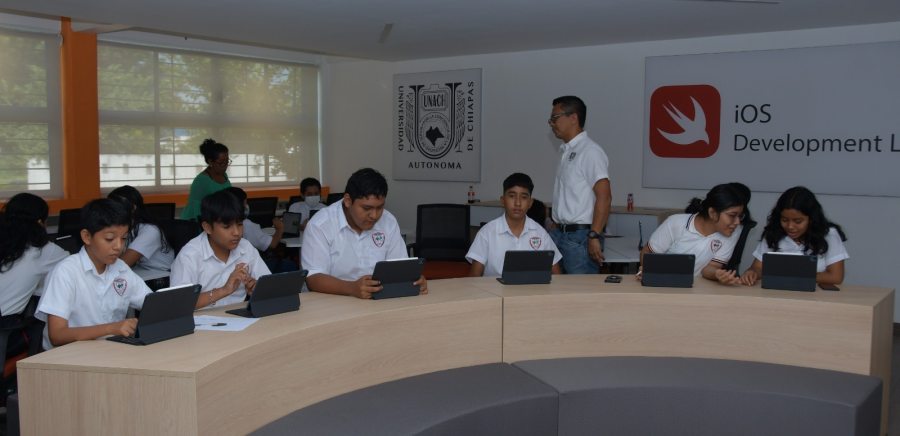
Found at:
<point>555,117</point>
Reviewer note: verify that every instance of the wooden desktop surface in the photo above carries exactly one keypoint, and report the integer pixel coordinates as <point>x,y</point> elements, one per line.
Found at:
<point>232,383</point>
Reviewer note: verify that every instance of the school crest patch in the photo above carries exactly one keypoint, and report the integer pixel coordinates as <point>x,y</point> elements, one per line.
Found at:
<point>715,245</point>
<point>378,239</point>
<point>571,156</point>
<point>120,285</point>
<point>535,242</point>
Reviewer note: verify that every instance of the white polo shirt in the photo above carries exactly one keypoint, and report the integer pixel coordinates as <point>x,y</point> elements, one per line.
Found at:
<point>678,235</point>
<point>154,262</point>
<point>331,247</point>
<point>197,264</point>
<point>25,277</point>
<point>77,293</point>
<point>304,209</point>
<point>495,239</point>
<point>836,251</point>
<point>581,164</point>
<point>256,236</point>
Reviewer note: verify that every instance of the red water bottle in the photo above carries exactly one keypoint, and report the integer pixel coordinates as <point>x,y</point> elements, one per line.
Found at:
<point>471,196</point>
<point>630,204</point>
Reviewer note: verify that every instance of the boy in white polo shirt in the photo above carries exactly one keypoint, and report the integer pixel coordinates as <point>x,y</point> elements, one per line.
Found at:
<point>343,242</point>
<point>88,294</point>
<point>220,260</point>
<point>512,231</point>
<point>310,189</point>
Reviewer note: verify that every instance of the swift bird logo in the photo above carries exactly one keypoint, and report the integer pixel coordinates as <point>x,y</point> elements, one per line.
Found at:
<point>684,121</point>
<point>693,130</point>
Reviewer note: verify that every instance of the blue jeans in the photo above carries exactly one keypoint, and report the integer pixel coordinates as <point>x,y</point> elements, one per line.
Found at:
<point>573,247</point>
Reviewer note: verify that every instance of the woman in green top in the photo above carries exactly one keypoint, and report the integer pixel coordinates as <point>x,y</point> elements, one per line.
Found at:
<point>212,179</point>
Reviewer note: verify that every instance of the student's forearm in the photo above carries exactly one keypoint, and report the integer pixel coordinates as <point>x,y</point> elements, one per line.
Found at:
<point>211,296</point>
<point>66,335</point>
<point>709,272</point>
<point>833,275</point>
<point>276,239</point>
<point>327,284</point>
<point>476,270</point>
<point>602,202</point>
<point>131,257</point>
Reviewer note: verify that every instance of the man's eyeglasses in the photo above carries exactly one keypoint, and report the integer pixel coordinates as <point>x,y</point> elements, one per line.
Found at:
<point>555,117</point>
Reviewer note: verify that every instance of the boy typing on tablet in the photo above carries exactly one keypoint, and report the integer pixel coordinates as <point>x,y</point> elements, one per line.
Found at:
<point>88,294</point>
<point>512,231</point>
<point>343,242</point>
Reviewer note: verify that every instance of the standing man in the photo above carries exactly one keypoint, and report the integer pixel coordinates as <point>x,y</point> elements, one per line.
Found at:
<point>581,193</point>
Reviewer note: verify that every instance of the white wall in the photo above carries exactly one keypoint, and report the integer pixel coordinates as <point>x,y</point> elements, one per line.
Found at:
<point>517,94</point>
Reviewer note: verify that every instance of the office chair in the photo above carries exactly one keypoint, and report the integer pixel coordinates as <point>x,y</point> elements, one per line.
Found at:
<point>179,232</point>
<point>442,232</point>
<point>294,199</point>
<point>262,210</point>
<point>537,212</point>
<point>160,211</point>
<point>334,197</point>
<point>69,222</point>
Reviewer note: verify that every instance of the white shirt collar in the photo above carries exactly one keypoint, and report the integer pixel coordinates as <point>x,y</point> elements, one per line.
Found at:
<point>575,142</point>
<point>208,253</point>
<point>88,265</point>
<point>504,226</point>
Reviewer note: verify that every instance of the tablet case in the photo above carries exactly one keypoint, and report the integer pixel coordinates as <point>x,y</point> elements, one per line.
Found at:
<point>397,277</point>
<point>165,314</point>
<point>274,294</point>
<point>526,267</point>
<point>789,272</point>
<point>668,270</point>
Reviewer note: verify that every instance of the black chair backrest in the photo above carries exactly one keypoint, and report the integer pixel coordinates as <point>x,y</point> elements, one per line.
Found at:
<point>735,262</point>
<point>294,199</point>
<point>179,232</point>
<point>442,231</point>
<point>334,197</point>
<point>537,211</point>
<point>69,222</point>
<point>262,210</point>
<point>161,211</point>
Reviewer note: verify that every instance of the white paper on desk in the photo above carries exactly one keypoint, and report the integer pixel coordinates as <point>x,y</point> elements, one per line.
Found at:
<point>231,324</point>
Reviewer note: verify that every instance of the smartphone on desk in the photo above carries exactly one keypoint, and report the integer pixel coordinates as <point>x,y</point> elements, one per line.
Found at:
<point>613,279</point>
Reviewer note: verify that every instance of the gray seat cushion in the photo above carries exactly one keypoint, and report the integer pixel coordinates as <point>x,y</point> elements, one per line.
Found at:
<point>687,396</point>
<point>493,399</point>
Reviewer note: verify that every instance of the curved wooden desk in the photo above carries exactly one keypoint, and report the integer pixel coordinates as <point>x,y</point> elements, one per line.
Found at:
<point>231,383</point>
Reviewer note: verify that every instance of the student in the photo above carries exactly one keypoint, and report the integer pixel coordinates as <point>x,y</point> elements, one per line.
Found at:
<point>220,260</point>
<point>797,224</point>
<point>253,232</point>
<point>343,242</point>
<point>147,252</point>
<point>213,178</point>
<point>709,230</point>
<point>88,294</point>
<point>26,254</point>
<point>311,190</point>
<point>512,231</point>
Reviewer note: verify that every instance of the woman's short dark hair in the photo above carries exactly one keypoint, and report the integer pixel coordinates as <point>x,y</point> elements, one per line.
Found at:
<point>211,150</point>
<point>101,213</point>
<point>719,198</point>
<point>366,182</point>
<point>307,182</point>
<point>221,207</point>
<point>518,179</point>
<point>21,227</point>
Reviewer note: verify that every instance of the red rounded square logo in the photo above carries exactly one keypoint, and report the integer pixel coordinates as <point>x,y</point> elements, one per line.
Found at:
<point>685,121</point>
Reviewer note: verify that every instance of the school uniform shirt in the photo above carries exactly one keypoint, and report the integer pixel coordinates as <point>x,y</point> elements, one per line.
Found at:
<point>331,247</point>
<point>154,262</point>
<point>197,264</point>
<point>25,277</point>
<point>77,293</point>
<point>581,164</point>
<point>304,209</point>
<point>254,234</point>
<point>678,235</point>
<point>495,239</point>
<point>836,251</point>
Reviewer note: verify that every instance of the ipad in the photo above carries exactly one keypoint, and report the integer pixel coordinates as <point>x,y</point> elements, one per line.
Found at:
<point>789,272</point>
<point>397,277</point>
<point>167,313</point>
<point>291,223</point>
<point>274,294</point>
<point>526,267</point>
<point>668,270</point>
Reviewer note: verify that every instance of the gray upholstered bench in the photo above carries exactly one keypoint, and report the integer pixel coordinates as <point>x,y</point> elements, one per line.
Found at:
<point>685,396</point>
<point>493,399</point>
